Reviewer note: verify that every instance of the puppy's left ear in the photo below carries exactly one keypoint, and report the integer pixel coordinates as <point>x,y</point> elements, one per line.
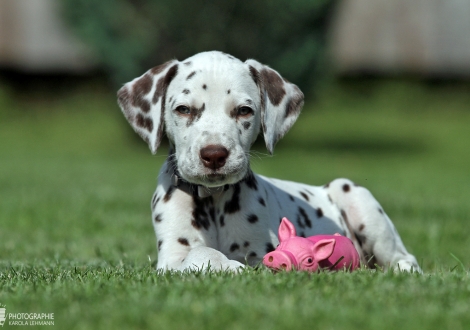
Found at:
<point>142,101</point>
<point>281,102</point>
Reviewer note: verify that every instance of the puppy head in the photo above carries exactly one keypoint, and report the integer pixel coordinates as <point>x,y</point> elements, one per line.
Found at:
<point>212,107</point>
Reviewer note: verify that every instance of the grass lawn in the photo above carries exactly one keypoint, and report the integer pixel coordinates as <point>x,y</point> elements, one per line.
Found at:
<point>76,237</point>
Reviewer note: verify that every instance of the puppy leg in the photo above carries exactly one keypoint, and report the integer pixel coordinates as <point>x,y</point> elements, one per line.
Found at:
<point>374,230</point>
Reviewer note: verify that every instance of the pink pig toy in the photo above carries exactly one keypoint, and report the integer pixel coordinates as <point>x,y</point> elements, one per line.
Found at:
<point>333,252</point>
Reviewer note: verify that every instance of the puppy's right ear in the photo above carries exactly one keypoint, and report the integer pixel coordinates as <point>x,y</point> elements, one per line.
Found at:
<point>281,102</point>
<point>142,101</point>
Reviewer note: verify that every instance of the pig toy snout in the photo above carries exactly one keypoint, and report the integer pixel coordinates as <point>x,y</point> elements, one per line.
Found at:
<point>280,260</point>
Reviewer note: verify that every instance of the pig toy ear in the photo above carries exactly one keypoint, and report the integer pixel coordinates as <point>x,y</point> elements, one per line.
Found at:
<point>286,230</point>
<point>323,249</point>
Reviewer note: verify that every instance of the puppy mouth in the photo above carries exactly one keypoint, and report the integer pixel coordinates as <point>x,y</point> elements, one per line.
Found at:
<point>216,178</point>
<point>196,174</point>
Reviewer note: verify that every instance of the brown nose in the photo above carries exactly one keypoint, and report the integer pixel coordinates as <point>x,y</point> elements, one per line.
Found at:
<point>213,156</point>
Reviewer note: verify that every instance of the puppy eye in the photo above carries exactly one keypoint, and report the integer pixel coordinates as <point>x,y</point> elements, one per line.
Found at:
<point>184,110</point>
<point>244,111</point>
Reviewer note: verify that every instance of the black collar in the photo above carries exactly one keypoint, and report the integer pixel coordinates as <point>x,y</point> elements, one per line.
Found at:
<point>193,189</point>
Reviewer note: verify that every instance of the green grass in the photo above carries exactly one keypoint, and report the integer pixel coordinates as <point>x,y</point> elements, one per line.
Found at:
<point>76,238</point>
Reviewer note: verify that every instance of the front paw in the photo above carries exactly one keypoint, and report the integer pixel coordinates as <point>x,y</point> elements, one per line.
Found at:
<point>206,258</point>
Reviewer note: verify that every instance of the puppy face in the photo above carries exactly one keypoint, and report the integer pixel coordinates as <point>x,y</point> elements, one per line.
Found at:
<point>212,107</point>
<point>212,117</point>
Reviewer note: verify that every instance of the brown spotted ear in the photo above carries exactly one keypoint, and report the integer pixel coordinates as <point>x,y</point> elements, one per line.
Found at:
<point>142,101</point>
<point>281,102</point>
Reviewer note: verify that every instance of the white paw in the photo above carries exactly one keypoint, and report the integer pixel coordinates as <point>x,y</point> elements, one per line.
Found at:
<point>206,258</point>
<point>408,266</point>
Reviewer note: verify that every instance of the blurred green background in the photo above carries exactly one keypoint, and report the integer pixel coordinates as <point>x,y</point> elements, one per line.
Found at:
<point>75,181</point>
<point>289,35</point>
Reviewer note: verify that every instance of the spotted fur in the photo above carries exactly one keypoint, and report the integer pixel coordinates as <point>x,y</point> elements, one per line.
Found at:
<point>210,208</point>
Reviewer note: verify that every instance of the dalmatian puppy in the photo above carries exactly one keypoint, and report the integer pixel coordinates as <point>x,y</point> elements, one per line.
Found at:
<point>209,208</point>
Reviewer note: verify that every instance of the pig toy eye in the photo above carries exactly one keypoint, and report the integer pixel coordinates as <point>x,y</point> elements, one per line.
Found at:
<point>308,262</point>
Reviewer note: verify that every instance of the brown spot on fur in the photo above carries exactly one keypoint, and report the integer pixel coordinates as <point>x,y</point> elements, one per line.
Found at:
<point>228,91</point>
<point>252,218</point>
<point>304,195</point>
<point>319,212</point>
<point>274,86</point>
<point>234,113</point>
<point>304,215</point>
<point>162,84</point>
<point>168,194</point>
<point>246,125</point>
<point>294,105</point>
<point>190,75</point>
<point>144,122</point>
<point>160,91</point>
<point>204,86</point>
<point>222,220</point>
<point>158,218</point>
<point>234,247</point>
<point>361,227</point>
<point>159,245</point>
<point>183,241</point>
<point>195,224</point>
<point>196,113</point>
<point>145,106</point>
<point>254,75</point>
<point>250,181</point>
<point>140,89</point>
<point>330,199</point>
<point>354,237</point>
<point>233,205</point>
<point>155,200</point>
<point>346,187</point>
<point>201,212</point>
